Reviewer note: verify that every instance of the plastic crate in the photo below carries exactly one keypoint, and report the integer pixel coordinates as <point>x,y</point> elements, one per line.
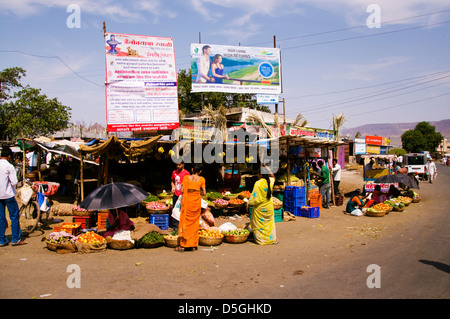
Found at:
<point>294,201</point>
<point>293,210</point>
<point>66,227</point>
<point>85,221</point>
<point>160,220</point>
<point>310,212</point>
<point>315,200</point>
<point>294,191</point>
<point>102,221</point>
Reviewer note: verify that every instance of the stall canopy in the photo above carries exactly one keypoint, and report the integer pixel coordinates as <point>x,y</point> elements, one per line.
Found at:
<point>62,147</point>
<point>114,145</point>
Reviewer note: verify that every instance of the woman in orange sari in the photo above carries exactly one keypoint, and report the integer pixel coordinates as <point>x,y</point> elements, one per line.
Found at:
<point>193,187</point>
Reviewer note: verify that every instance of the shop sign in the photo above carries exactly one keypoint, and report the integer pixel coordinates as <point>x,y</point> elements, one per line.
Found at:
<point>375,140</point>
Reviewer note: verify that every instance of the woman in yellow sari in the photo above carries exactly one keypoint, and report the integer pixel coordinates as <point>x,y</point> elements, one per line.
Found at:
<point>262,222</point>
<point>193,187</point>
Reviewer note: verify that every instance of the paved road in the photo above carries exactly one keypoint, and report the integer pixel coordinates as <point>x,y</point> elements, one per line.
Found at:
<point>414,262</point>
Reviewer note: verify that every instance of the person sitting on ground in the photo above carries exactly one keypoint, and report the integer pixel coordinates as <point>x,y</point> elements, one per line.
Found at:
<point>393,192</point>
<point>355,204</point>
<point>378,196</point>
<point>118,220</point>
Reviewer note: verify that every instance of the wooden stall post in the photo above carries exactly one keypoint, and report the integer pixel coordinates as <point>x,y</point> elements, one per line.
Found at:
<point>81,177</point>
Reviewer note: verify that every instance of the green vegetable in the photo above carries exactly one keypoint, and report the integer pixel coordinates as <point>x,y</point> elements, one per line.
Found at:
<point>215,195</point>
<point>236,232</point>
<point>151,238</point>
<point>151,198</point>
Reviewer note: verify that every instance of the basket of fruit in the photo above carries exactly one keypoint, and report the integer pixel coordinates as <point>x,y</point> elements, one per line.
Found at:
<point>405,200</point>
<point>156,207</point>
<point>151,240</point>
<point>399,206</point>
<point>91,242</point>
<point>236,236</point>
<point>277,204</point>
<point>78,211</point>
<point>61,242</point>
<point>221,203</point>
<point>236,202</point>
<point>172,240</point>
<point>209,237</point>
<point>245,194</point>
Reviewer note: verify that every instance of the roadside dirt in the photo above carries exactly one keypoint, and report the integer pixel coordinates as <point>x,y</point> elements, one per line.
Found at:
<point>226,271</point>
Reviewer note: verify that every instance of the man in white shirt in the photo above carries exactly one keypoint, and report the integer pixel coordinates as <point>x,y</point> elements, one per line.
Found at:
<point>32,160</point>
<point>8,182</point>
<point>203,64</point>
<point>336,170</point>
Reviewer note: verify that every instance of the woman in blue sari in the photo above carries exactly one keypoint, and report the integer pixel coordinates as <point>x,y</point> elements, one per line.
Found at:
<point>217,69</point>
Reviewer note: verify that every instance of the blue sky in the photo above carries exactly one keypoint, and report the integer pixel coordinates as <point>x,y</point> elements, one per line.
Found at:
<point>332,62</point>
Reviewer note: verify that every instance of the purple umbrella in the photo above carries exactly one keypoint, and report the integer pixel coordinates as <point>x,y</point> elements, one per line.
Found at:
<point>114,195</point>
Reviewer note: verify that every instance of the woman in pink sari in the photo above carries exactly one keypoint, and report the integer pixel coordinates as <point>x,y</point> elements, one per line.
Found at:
<point>118,220</point>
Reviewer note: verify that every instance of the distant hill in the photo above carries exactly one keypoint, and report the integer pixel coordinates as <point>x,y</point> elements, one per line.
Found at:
<point>393,131</point>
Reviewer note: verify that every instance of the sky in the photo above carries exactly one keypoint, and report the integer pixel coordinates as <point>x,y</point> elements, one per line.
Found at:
<point>376,61</point>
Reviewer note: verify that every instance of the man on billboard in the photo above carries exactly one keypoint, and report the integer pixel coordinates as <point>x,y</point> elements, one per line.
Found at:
<point>203,63</point>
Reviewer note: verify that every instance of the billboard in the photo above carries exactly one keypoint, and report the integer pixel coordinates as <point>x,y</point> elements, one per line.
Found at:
<point>141,83</point>
<point>235,69</point>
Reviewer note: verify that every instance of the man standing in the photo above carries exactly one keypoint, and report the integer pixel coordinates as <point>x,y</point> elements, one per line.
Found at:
<point>325,187</point>
<point>431,170</point>
<point>336,176</point>
<point>177,179</point>
<point>203,64</point>
<point>8,182</point>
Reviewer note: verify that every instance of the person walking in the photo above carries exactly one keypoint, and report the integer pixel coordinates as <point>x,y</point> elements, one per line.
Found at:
<point>176,180</point>
<point>431,170</point>
<point>8,182</point>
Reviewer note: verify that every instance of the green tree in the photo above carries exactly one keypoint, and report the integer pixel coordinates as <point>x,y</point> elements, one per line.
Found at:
<point>27,111</point>
<point>422,138</point>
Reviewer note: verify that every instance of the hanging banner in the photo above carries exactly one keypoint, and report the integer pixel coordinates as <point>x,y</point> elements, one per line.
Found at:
<point>141,83</point>
<point>235,69</point>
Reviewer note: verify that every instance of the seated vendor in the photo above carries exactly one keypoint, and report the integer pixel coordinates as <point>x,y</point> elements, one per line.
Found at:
<point>206,217</point>
<point>378,196</point>
<point>394,192</point>
<point>355,204</point>
<point>118,220</point>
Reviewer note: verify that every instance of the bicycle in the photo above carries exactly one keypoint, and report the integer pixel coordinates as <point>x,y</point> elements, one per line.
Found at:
<point>30,213</point>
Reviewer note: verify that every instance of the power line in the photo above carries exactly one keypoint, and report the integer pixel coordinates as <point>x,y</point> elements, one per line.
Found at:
<point>351,28</point>
<point>53,57</point>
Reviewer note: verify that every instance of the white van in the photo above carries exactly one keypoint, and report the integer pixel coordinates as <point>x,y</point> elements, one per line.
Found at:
<point>416,163</point>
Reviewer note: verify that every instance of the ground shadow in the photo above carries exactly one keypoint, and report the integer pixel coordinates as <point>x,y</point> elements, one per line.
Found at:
<point>437,265</point>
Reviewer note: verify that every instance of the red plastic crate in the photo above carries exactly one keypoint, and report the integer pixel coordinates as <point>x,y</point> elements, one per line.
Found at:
<point>102,219</point>
<point>85,221</point>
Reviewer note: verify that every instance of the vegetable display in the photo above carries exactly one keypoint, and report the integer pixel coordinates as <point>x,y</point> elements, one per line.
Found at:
<point>236,232</point>
<point>245,194</point>
<point>236,201</point>
<point>91,238</point>
<point>209,233</point>
<point>151,238</point>
<point>220,202</point>
<point>61,238</point>
<point>381,207</point>
<point>214,195</point>
<point>155,206</point>
<point>151,198</point>
<point>276,201</point>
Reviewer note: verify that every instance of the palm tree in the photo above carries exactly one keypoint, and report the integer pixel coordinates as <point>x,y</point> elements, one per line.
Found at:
<point>217,118</point>
<point>300,120</point>
<point>258,120</point>
<point>338,122</point>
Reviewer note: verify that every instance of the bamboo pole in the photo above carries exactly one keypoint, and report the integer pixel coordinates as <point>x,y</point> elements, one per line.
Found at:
<point>81,177</point>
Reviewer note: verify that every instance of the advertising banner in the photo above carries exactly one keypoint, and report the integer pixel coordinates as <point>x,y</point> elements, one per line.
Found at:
<point>141,83</point>
<point>266,98</point>
<point>360,148</point>
<point>235,69</point>
<point>375,140</point>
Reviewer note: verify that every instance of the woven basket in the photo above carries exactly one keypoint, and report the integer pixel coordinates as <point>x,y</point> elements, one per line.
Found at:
<point>235,205</point>
<point>172,242</point>
<point>228,197</point>
<point>157,211</point>
<point>168,196</point>
<point>69,247</point>
<point>416,200</point>
<point>398,209</point>
<point>235,239</point>
<point>220,206</point>
<point>151,245</point>
<point>277,207</point>
<point>210,241</point>
<point>82,212</point>
<point>212,199</point>
<point>376,214</point>
<point>119,244</point>
<point>244,197</point>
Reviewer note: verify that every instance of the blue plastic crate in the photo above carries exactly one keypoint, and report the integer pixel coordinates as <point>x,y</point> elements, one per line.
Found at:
<point>295,201</point>
<point>310,212</point>
<point>293,210</point>
<point>294,191</point>
<point>160,220</point>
